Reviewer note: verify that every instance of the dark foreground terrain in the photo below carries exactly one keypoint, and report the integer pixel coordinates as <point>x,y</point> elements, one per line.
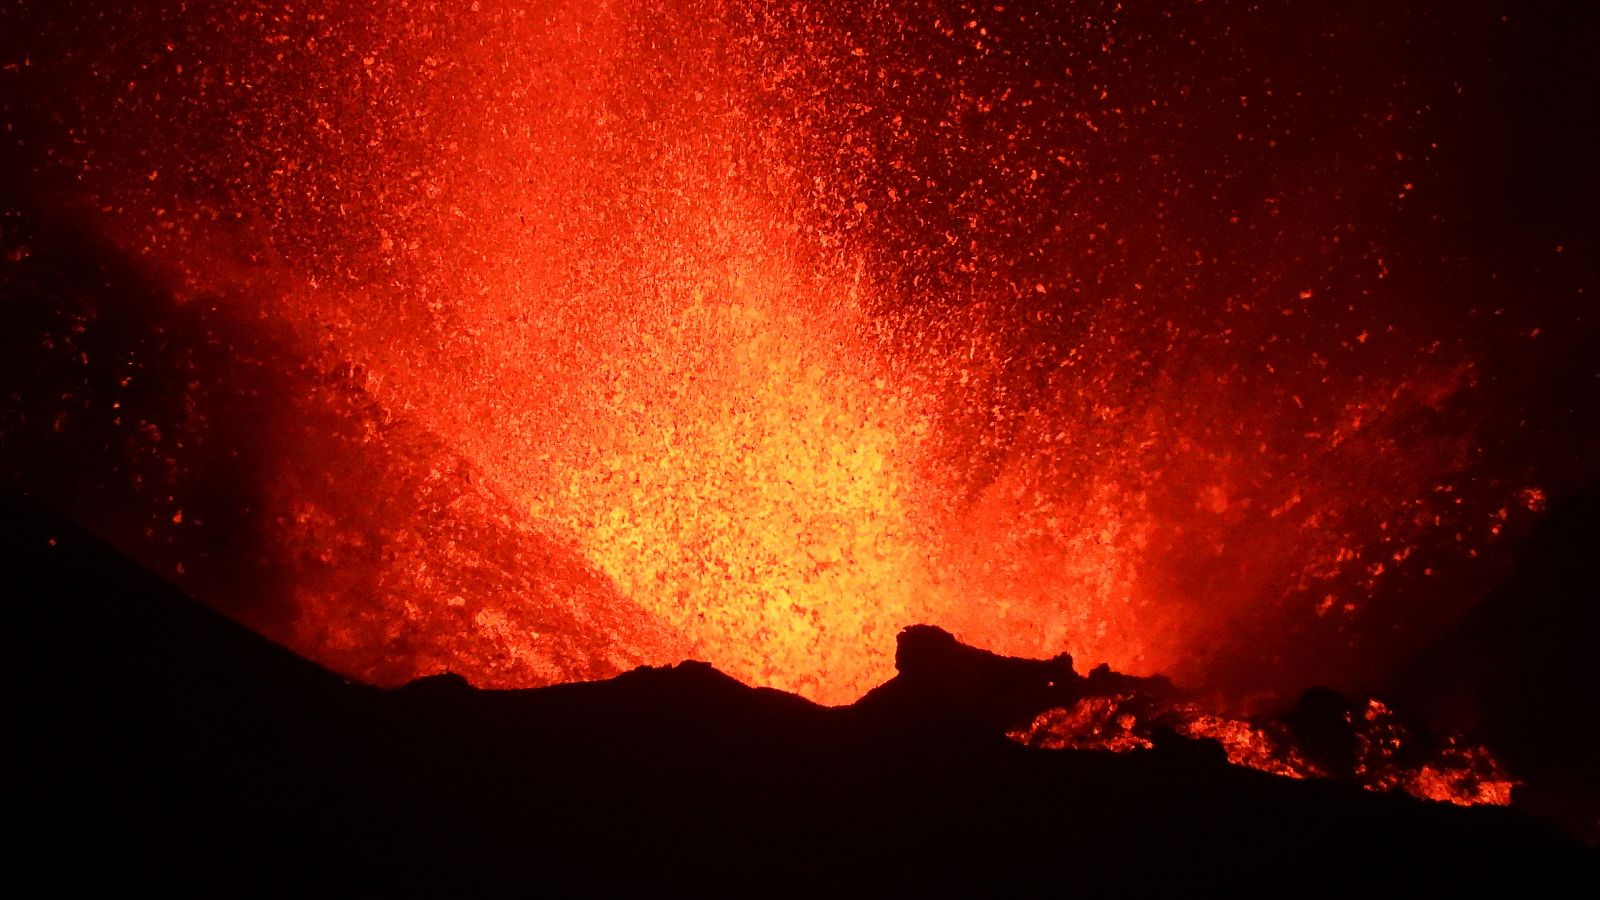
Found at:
<point>157,742</point>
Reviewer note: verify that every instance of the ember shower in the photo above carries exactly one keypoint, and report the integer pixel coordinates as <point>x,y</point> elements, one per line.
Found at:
<point>623,332</point>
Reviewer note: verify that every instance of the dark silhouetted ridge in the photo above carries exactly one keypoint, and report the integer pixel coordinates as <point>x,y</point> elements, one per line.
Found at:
<point>160,745</point>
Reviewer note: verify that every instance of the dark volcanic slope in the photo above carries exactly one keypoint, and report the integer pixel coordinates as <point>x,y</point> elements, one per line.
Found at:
<point>160,742</point>
<point>1519,670</point>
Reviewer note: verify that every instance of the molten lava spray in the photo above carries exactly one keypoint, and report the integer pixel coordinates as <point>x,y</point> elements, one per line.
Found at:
<point>1119,333</point>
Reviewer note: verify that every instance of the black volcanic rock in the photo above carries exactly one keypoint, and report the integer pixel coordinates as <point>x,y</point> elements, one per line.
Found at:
<point>1321,723</point>
<point>941,680</point>
<point>162,746</point>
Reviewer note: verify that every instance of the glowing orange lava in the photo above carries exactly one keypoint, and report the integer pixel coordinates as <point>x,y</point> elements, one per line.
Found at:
<point>796,328</point>
<point>1383,754</point>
